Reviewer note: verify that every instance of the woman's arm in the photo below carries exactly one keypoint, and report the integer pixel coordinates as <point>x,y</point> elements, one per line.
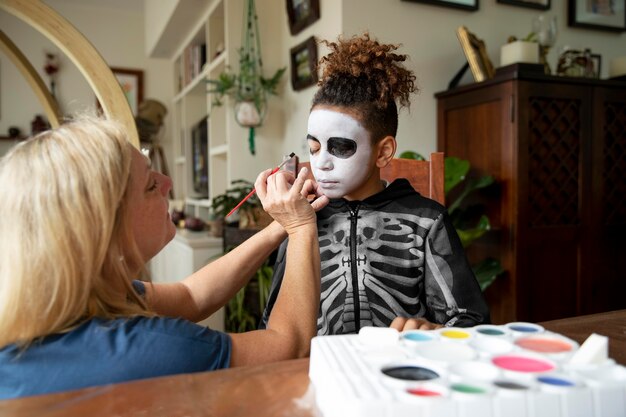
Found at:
<point>292,323</point>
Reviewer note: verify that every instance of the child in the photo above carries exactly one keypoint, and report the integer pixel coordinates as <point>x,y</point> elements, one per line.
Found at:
<point>388,254</point>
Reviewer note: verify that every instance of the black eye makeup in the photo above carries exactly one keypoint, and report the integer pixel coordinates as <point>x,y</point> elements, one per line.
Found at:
<point>341,147</point>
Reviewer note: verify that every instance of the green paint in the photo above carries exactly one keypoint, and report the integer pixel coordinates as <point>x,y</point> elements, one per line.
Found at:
<point>467,389</point>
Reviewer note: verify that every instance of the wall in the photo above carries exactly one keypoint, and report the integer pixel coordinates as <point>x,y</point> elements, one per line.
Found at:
<point>427,34</point>
<point>116,32</point>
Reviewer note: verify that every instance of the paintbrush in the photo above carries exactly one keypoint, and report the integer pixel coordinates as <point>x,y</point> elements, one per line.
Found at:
<point>275,170</point>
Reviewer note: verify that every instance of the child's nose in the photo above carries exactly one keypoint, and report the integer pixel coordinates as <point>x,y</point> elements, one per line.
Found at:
<point>325,162</point>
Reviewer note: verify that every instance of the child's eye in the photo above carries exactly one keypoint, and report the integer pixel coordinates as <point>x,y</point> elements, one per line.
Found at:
<point>314,146</point>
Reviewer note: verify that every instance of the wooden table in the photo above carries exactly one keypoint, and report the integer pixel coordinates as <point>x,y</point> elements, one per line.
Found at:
<point>280,389</point>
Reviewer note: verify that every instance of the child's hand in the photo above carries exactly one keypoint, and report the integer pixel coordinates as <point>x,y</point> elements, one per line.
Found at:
<point>404,323</point>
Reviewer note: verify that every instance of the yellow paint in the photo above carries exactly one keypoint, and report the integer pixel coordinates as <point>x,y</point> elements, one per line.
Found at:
<point>455,334</point>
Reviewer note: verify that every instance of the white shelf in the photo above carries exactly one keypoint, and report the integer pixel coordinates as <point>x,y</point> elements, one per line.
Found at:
<point>181,160</point>
<point>220,60</point>
<point>197,82</point>
<point>198,202</point>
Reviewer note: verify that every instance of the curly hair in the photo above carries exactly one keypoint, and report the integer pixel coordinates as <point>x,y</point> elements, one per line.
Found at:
<point>368,77</point>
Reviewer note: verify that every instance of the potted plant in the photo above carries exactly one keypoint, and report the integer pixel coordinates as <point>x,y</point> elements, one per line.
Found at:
<point>250,214</point>
<point>249,89</point>
<point>469,221</point>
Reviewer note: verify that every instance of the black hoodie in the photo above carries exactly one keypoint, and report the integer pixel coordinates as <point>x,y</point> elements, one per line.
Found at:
<point>393,254</point>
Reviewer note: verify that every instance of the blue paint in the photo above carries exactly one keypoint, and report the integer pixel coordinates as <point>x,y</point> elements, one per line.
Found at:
<point>552,380</point>
<point>491,332</point>
<point>524,329</point>
<point>417,337</point>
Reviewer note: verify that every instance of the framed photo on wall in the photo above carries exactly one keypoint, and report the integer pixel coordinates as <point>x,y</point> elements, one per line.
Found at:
<point>476,54</point>
<point>608,15</point>
<point>131,81</point>
<point>302,13</point>
<point>303,58</point>
<point>531,4</point>
<point>471,5</point>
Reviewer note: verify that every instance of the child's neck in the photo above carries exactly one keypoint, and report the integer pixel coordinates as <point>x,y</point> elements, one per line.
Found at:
<point>370,188</point>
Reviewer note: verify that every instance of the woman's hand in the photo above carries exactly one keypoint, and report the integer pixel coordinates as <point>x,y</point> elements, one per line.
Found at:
<point>285,198</point>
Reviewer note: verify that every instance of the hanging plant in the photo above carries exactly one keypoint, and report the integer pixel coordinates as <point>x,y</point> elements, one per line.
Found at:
<point>248,89</point>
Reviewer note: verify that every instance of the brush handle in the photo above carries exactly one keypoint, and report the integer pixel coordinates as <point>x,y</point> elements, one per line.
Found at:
<point>251,193</point>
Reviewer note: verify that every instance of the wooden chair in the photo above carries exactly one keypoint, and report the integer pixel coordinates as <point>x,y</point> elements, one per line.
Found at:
<point>427,177</point>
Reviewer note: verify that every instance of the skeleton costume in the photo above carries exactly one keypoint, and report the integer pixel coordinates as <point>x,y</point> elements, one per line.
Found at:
<point>393,254</point>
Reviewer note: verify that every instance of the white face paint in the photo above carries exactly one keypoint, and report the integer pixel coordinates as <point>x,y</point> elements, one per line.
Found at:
<point>341,151</point>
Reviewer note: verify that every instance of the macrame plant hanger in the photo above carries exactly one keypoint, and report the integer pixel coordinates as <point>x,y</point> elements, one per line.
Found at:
<point>251,101</point>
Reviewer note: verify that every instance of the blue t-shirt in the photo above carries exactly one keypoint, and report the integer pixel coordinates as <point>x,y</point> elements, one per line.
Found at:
<point>103,352</point>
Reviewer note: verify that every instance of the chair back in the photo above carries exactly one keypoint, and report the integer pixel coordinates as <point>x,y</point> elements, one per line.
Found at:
<point>426,177</point>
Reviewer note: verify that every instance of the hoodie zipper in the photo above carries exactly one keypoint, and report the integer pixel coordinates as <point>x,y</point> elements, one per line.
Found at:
<point>353,266</point>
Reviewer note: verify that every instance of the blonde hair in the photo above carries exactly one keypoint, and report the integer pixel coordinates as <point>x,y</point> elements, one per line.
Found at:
<point>65,244</point>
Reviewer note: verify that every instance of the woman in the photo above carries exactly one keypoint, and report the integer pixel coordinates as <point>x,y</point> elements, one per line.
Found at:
<point>83,213</point>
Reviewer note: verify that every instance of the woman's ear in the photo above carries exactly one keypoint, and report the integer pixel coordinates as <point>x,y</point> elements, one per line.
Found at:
<point>386,149</point>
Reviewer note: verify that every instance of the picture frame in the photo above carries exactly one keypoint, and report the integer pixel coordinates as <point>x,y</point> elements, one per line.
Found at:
<point>606,15</point>
<point>301,14</point>
<point>530,4</point>
<point>476,54</point>
<point>468,5</point>
<point>597,65</point>
<point>131,81</point>
<point>303,59</point>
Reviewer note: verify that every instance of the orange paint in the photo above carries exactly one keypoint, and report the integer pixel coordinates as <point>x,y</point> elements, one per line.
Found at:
<point>544,345</point>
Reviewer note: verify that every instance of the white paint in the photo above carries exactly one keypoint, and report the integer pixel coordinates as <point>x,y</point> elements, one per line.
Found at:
<point>336,176</point>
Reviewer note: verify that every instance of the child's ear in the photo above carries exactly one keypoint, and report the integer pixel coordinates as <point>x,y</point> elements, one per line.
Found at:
<point>386,149</point>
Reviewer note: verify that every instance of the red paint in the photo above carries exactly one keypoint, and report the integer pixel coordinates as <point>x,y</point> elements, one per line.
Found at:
<point>522,364</point>
<point>544,345</point>
<point>423,392</point>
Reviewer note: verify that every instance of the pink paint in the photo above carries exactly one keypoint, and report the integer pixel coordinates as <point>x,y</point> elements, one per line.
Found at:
<point>544,345</point>
<point>522,364</point>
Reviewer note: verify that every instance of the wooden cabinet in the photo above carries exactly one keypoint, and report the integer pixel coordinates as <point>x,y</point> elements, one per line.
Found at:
<point>557,148</point>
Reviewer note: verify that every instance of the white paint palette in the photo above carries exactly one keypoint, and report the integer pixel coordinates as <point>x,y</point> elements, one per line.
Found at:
<point>512,370</point>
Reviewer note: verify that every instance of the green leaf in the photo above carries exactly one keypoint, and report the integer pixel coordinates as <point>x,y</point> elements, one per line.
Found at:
<point>469,235</point>
<point>487,271</point>
<point>270,84</point>
<point>455,171</point>
<point>470,186</point>
<point>412,155</point>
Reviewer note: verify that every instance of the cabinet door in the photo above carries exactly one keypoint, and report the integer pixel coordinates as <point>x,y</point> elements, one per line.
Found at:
<point>605,286</point>
<point>554,193</point>
<point>477,125</point>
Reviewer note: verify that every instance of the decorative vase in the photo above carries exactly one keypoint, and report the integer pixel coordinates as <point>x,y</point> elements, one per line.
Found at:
<point>519,51</point>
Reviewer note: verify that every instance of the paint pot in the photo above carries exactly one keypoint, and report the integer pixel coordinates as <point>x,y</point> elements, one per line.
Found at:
<point>456,334</point>
<point>445,352</point>
<point>552,345</point>
<point>426,392</point>
<point>487,346</point>
<point>409,373</point>
<point>523,364</point>
<point>575,399</point>
<point>510,386</point>
<point>490,330</point>
<point>468,388</point>
<point>378,356</point>
<point>378,336</point>
<point>417,337</point>
<point>522,328</point>
<point>473,371</point>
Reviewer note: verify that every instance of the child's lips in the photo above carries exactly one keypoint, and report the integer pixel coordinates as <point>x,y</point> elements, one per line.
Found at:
<point>327,183</point>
